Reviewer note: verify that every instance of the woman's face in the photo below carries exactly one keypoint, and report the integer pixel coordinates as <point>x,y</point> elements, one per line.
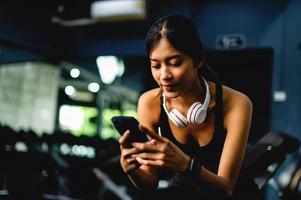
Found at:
<point>173,70</point>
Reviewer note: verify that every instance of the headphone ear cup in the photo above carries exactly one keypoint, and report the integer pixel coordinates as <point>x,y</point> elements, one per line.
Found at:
<point>177,118</point>
<point>196,113</point>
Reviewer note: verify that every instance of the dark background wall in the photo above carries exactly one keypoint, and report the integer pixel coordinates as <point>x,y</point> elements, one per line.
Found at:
<point>26,33</point>
<point>274,24</point>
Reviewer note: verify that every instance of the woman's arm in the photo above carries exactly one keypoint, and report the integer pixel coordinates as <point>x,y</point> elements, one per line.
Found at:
<point>237,121</point>
<point>139,175</point>
<point>145,177</point>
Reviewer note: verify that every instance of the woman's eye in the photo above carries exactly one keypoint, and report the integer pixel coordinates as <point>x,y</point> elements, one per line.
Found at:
<point>176,63</point>
<point>155,66</point>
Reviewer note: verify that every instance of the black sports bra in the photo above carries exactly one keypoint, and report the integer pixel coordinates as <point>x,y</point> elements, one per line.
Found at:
<point>210,153</point>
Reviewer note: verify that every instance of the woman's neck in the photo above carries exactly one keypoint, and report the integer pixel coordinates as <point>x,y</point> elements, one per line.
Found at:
<point>196,93</point>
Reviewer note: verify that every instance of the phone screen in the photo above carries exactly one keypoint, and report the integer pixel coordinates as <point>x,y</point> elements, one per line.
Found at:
<point>124,123</point>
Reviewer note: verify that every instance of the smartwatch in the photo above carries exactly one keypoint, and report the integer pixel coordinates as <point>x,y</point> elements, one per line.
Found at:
<point>194,168</point>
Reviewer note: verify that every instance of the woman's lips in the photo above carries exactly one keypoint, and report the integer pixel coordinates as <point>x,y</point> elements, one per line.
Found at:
<point>168,88</point>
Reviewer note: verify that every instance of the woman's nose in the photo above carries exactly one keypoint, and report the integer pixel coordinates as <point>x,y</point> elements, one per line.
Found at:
<point>165,73</point>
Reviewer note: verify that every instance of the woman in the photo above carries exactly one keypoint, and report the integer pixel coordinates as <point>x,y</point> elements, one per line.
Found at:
<point>198,129</point>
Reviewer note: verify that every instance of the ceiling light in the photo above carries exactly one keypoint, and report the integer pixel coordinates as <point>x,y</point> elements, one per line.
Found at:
<point>93,87</point>
<point>74,73</point>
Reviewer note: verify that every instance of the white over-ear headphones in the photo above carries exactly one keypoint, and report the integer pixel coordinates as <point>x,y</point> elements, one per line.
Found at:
<point>195,115</point>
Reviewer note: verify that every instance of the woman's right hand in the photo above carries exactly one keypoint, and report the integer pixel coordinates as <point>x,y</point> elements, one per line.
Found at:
<point>127,154</point>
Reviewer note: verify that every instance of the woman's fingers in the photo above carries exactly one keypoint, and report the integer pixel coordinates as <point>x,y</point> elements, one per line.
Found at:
<point>130,164</point>
<point>126,153</point>
<point>151,134</point>
<point>123,138</point>
<point>158,163</point>
<point>150,156</point>
<point>148,146</point>
<point>131,160</point>
<point>162,162</point>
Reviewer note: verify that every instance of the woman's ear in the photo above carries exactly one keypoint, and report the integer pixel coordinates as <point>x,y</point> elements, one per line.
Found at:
<point>198,63</point>
<point>201,63</point>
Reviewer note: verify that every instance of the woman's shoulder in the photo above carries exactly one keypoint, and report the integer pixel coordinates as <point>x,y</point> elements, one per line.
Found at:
<point>234,95</point>
<point>150,97</point>
<point>237,109</point>
<point>234,98</point>
<point>149,108</point>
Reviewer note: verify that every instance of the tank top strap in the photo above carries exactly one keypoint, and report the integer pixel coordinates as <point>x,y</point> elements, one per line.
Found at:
<point>219,108</point>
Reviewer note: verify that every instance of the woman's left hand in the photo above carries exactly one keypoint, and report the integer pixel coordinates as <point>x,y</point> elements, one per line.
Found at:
<point>161,152</point>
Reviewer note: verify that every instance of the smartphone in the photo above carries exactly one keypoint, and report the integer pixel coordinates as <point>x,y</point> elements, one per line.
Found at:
<point>123,123</point>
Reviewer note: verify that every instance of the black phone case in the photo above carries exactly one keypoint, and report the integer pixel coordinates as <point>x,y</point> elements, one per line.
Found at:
<point>124,123</point>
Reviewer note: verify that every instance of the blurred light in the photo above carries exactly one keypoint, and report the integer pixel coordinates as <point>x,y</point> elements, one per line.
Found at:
<point>60,8</point>
<point>21,146</point>
<point>74,73</point>
<point>45,114</point>
<point>90,152</point>
<point>83,96</point>
<point>69,90</point>
<point>8,147</point>
<point>65,149</point>
<point>279,96</point>
<point>45,147</point>
<point>109,68</point>
<point>93,87</point>
<point>118,9</point>
<point>284,178</point>
<point>163,184</point>
<point>44,173</point>
<point>75,150</point>
<point>82,150</point>
<point>71,117</point>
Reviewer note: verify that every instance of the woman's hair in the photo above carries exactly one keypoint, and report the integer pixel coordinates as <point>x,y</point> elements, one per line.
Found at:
<point>180,32</point>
